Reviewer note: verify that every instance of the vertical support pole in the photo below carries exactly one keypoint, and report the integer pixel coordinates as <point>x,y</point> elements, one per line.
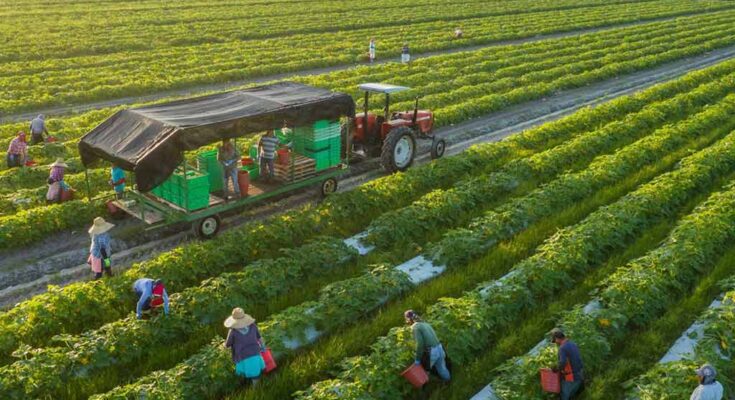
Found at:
<point>89,187</point>
<point>186,186</point>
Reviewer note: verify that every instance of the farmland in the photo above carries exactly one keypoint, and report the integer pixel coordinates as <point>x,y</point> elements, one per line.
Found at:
<point>615,222</point>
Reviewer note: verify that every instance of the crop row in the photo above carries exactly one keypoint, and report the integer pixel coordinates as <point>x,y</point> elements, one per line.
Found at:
<point>469,319</point>
<point>187,377</point>
<point>126,76</point>
<point>635,295</point>
<point>186,266</point>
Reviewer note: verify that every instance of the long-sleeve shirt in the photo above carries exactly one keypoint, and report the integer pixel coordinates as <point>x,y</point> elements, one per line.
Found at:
<point>244,342</point>
<point>228,158</point>
<point>99,242</point>
<point>425,338</point>
<point>17,146</point>
<point>568,351</point>
<point>144,288</point>
<point>712,391</point>
<point>57,174</point>
<point>38,126</point>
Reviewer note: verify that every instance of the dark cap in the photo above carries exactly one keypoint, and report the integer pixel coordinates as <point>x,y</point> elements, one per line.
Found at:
<point>556,333</point>
<point>410,314</point>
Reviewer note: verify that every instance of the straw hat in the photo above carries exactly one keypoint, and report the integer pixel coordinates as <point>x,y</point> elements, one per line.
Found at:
<point>100,226</point>
<point>59,163</point>
<point>238,319</point>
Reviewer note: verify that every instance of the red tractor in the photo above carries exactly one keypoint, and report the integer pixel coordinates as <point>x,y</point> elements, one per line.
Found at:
<point>392,136</point>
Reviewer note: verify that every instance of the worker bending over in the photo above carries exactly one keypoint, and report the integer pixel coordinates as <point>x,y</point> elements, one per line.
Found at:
<point>428,347</point>
<point>570,365</point>
<point>17,151</point>
<point>152,295</point>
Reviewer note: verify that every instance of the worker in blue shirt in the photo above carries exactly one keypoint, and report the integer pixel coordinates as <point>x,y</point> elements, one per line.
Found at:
<point>118,180</point>
<point>152,295</point>
<point>570,365</point>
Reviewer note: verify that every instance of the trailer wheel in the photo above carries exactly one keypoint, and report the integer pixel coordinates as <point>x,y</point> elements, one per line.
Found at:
<point>399,148</point>
<point>328,187</point>
<point>437,148</point>
<point>207,227</point>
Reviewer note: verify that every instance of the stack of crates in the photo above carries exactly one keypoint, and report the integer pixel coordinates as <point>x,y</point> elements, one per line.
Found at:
<point>321,141</point>
<point>190,193</point>
<point>207,163</point>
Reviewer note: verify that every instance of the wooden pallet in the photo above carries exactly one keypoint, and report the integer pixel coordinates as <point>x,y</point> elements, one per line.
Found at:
<point>303,167</point>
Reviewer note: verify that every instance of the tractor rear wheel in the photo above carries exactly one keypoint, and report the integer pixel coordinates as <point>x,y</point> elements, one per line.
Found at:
<point>399,149</point>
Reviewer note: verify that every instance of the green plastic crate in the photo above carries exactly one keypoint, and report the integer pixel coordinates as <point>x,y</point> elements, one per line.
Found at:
<point>207,162</point>
<point>253,171</point>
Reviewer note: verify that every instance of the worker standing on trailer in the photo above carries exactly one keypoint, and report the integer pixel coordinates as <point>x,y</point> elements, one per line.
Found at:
<point>709,388</point>
<point>117,180</point>
<point>371,50</point>
<point>151,296</point>
<point>569,365</point>
<point>56,183</point>
<point>428,348</point>
<point>17,151</point>
<point>228,156</point>
<point>243,338</point>
<point>38,128</point>
<point>405,54</point>
<point>267,150</point>
<point>100,250</point>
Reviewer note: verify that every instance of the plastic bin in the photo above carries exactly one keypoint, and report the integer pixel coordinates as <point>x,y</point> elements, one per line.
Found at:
<point>284,157</point>
<point>416,375</point>
<point>243,180</point>
<point>550,381</point>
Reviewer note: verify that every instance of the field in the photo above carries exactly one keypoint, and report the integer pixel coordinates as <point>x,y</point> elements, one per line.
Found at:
<point>614,221</point>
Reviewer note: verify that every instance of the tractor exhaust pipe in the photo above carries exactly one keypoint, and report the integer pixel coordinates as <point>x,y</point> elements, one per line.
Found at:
<point>415,112</point>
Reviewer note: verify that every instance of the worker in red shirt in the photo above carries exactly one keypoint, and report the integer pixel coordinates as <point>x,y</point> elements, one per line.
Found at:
<point>570,365</point>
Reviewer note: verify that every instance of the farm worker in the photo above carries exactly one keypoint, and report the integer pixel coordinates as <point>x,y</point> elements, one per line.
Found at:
<point>100,250</point>
<point>405,56</point>
<point>371,50</point>
<point>427,345</point>
<point>243,338</point>
<point>56,183</point>
<point>38,128</point>
<point>17,151</point>
<point>709,388</point>
<point>117,180</point>
<point>228,157</point>
<point>267,148</point>
<point>151,295</point>
<point>458,33</point>
<point>570,365</point>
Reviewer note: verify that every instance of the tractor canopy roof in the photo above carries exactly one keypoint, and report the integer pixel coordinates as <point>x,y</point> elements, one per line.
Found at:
<point>150,140</point>
<point>382,88</point>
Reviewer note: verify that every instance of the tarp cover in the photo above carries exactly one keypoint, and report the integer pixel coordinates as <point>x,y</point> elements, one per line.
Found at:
<point>150,140</point>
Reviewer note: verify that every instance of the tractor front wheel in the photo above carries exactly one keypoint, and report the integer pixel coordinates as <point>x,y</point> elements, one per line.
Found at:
<point>399,149</point>
<point>437,148</point>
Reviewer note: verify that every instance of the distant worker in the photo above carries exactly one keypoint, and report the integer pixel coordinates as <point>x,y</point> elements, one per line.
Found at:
<point>428,346</point>
<point>17,151</point>
<point>371,50</point>
<point>569,365</point>
<point>405,54</point>
<point>38,128</point>
<point>151,296</point>
<point>243,338</point>
<point>56,184</point>
<point>709,388</point>
<point>228,156</point>
<point>458,33</point>
<point>100,251</point>
<point>117,180</point>
<point>267,149</point>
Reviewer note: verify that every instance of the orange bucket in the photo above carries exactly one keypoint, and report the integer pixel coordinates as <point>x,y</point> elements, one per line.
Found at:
<point>550,381</point>
<point>284,157</point>
<point>246,161</point>
<point>243,180</point>
<point>270,363</point>
<point>416,375</point>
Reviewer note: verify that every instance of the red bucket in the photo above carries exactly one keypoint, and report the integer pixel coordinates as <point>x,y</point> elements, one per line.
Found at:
<point>550,381</point>
<point>416,375</point>
<point>247,161</point>
<point>243,180</point>
<point>270,363</point>
<point>30,163</point>
<point>67,195</point>
<point>284,157</point>
<point>51,139</point>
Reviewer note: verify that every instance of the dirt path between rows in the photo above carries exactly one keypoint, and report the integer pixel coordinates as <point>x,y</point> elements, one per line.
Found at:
<point>60,259</point>
<point>191,91</point>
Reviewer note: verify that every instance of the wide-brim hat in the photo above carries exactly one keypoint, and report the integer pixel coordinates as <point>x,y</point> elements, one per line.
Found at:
<point>238,319</point>
<point>59,163</point>
<point>100,226</point>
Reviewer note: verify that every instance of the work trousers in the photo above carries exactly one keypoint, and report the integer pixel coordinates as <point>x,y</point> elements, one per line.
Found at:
<point>569,389</point>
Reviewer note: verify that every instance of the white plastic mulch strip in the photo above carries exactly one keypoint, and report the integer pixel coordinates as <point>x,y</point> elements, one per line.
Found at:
<point>356,243</point>
<point>499,282</point>
<point>487,393</point>
<point>684,347</point>
<point>419,269</point>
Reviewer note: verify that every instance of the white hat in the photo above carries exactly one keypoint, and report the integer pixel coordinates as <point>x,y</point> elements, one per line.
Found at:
<point>100,226</point>
<point>59,163</point>
<point>238,319</point>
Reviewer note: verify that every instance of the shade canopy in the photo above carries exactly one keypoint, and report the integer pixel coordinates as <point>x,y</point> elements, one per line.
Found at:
<point>150,140</point>
<point>382,88</point>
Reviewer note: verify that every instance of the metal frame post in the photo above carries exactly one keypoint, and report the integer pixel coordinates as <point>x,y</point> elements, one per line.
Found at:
<point>89,187</point>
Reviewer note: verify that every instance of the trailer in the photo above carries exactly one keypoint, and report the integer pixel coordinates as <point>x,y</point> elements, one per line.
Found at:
<point>153,142</point>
